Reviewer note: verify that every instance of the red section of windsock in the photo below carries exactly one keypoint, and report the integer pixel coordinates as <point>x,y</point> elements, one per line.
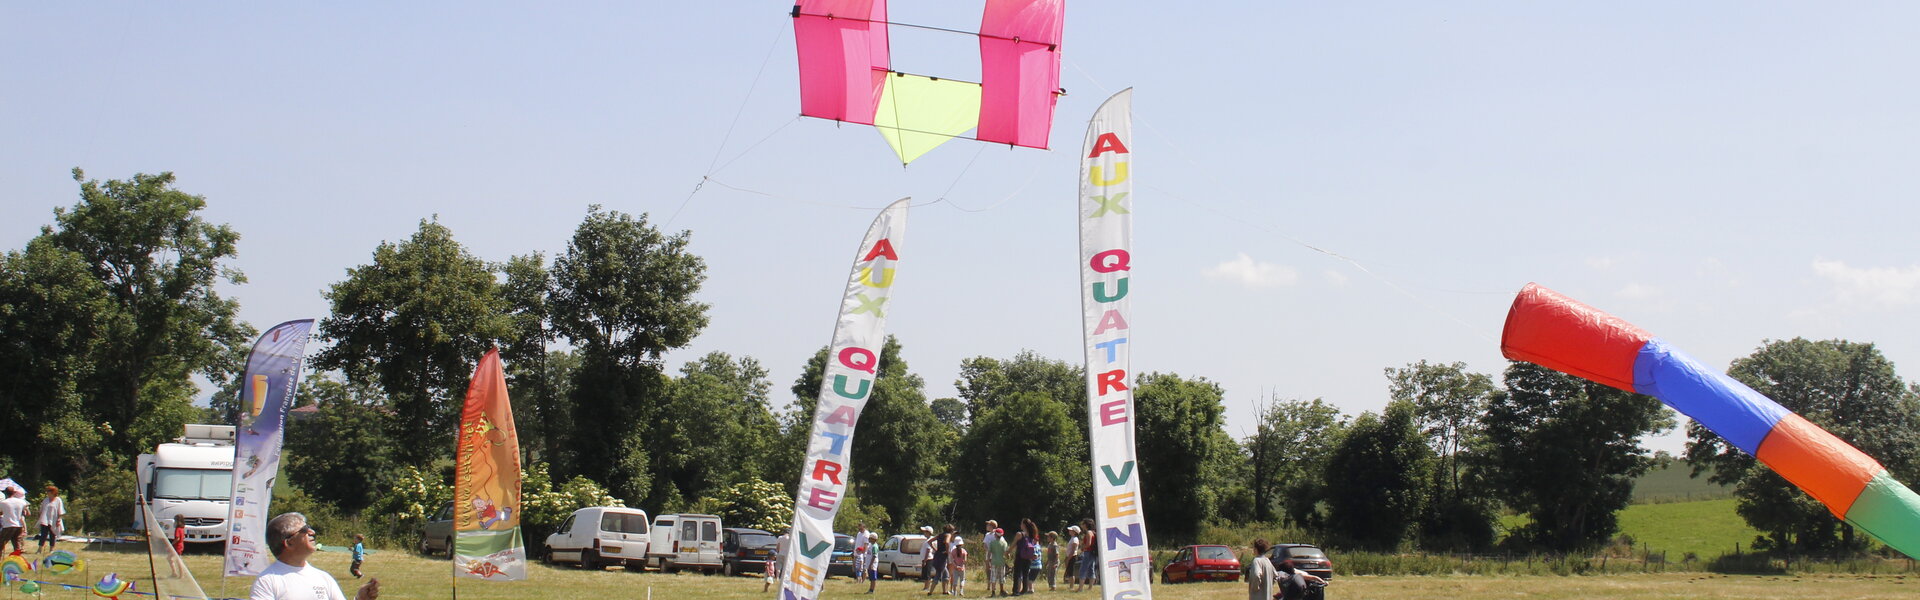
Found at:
<point>1557,332</point>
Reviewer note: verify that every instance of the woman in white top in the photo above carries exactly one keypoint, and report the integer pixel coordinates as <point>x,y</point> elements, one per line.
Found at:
<point>53,522</point>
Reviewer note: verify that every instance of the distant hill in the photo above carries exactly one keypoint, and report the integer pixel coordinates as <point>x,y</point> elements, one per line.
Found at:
<point>1672,484</point>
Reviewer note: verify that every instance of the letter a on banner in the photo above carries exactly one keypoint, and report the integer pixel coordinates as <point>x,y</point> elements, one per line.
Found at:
<point>858,336</point>
<point>1106,248</point>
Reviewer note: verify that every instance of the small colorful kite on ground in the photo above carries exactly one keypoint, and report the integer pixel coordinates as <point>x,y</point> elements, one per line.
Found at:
<point>14,567</point>
<point>1559,333</point>
<point>846,74</point>
<point>61,562</point>
<point>112,586</point>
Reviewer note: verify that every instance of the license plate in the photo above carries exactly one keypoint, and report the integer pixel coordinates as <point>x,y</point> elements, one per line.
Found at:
<point>610,549</point>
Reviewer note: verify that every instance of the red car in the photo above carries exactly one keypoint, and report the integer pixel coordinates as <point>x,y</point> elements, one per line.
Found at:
<point>1202,563</point>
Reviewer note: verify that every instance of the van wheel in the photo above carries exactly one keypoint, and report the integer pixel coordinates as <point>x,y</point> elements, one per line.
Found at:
<point>590,560</point>
<point>727,568</point>
<point>896,572</point>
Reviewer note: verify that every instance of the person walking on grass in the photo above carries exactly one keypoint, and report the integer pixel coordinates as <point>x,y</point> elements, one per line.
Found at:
<point>997,563</point>
<point>53,522</point>
<point>939,546</point>
<point>13,519</point>
<point>359,554</point>
<point>290,577</point>
<point>1261,576</point>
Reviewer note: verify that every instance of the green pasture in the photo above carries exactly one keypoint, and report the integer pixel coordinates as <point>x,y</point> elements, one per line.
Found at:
<point>404,576</point>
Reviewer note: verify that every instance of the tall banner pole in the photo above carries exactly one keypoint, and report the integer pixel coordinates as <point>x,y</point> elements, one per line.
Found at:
<point>486,481</point>
<point>266,390</point>
<point>853,361</point>
<point>1106,243</point>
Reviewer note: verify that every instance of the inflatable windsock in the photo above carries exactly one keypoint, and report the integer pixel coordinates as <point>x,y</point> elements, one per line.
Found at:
<point>1560,333</point>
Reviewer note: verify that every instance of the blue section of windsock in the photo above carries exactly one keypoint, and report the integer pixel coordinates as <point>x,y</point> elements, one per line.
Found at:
<point>1740,415</point>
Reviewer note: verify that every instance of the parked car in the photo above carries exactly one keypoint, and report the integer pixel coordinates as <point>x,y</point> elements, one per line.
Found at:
<point>901,554</point>
<point>745,550</point>
<point>686,542</point>
<point>598,536</point>
<point>437,535</point>
<point>1201,563</point>
<point>842,563</point>
<point>1306,557</point>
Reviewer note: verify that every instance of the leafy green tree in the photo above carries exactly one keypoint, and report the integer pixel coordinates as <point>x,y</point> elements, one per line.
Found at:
<point>1848,388</point>
<point>1011,465</point>
<point>415,321</point>
<point>900,448</point>
<point>524,354</point>
<point>726,432</point>
<point>1448,401</point>
<point>1565,451</point>
<point>1377,479</point>
<point>952,412</point>
<point>623,295</point>
<point>340,454</point>
<point>1178,430</point>
<point>163,321</point>
<point>985,383</point>
<point>49,337</point>
<point>753,503</point>
<point>1287,452</point>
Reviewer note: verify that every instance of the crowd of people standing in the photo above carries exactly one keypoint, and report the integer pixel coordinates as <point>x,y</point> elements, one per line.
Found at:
<point>1015,563</point>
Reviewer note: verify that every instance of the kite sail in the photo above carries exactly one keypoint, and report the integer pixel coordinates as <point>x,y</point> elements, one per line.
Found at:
<point>853,360</point>
<point>271,378</point>
<point>486,481</point>
<point>1559,333</point>
<point>177,581</point>
<point>1106,246</point>
<point>846,75</point>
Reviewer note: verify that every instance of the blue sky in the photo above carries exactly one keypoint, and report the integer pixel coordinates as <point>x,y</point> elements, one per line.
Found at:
<point>1720,173</point>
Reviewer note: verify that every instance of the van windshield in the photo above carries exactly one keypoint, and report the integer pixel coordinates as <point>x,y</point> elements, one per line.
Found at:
<point>192,484</point>
<point>622,523</point>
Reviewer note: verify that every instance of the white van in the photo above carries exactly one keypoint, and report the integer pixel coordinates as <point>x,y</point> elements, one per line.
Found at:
<point>686,542</point>
<point>598,536</point>
<point>902,555</point>
<point>190,480</point>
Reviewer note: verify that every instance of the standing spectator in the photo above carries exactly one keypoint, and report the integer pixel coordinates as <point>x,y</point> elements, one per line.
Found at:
<point>179,527</point>
<point>941,545</point>
<point>177,562</point>
<point>1261,575</point>
<point>1027,568</point>
<point>359,554</point>
<point>53,522</point>
<point>290,577</point>
<point>926,557</point>
<point>1050,562</point>
<point>13,519</point>
<point>957,566</point>
<point>1073,556</point>
<point>1089,555</point>
<point>873,561</point>
<point>997,564</point>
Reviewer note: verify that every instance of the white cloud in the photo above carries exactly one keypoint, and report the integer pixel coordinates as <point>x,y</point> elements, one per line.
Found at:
<point>1254,274</point>
<point>1887,286</point>
<point>1601,263</point>
<point>1638,291</point>
<point>1336,278</point>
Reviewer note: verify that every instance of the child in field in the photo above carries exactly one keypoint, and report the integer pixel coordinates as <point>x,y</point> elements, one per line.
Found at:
<point>957,566</point>
<point>360,553</point>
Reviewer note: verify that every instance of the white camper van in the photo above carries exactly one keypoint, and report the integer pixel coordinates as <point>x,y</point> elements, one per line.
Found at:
<point>191,480</point>
<point>685,542</point>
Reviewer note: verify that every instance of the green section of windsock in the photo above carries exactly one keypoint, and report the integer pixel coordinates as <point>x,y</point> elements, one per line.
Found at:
<point>1890,512</point>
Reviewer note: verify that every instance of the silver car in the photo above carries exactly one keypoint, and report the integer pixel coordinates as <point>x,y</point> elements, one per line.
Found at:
<point>437,535</point>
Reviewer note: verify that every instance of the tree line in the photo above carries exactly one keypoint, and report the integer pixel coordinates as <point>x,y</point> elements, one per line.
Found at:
<point>108,314</point>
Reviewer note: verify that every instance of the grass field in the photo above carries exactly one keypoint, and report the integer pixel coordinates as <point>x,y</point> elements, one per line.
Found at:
<point>1707,528</point>
<point>408,577</point>
<point>1675,484</point>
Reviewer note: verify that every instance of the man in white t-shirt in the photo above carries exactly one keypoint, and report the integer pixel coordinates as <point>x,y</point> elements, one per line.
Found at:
<point>13,519</point>
<point>290,577</point>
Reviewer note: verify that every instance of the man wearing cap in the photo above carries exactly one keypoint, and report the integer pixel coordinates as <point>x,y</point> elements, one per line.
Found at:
<point>290,577</point>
